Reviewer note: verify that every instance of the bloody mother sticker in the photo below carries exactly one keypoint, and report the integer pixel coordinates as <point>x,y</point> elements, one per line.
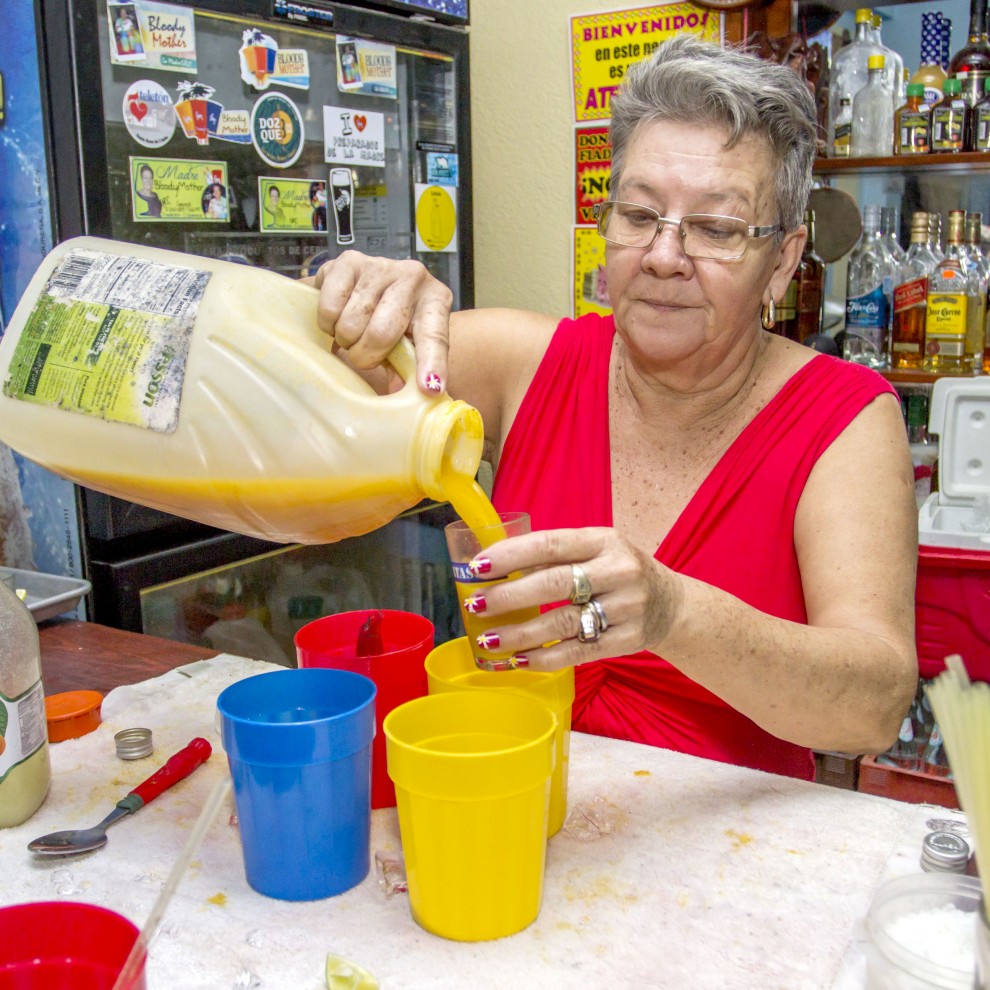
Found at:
<point>277,130</point>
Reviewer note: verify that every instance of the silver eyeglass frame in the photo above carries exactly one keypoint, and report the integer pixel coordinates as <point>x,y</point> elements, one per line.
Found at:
<point>752,231</point>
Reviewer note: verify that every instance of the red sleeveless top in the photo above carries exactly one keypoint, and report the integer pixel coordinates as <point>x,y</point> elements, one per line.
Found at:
<point>736,533</point>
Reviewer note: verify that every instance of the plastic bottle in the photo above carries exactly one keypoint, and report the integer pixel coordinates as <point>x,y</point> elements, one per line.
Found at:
<point>25,771</point>
<point>950,119</point>
<point>210,392</point>
<point>870,280</point>
<point>873,115</point>
<point>849,68</point>
<point>979,122</point>
<point>912,124</point>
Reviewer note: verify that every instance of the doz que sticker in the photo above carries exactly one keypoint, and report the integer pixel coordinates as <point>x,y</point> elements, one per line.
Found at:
<point>277,130</point>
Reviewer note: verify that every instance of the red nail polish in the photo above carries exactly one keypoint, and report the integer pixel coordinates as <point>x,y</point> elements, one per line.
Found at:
<point>433,382</point>
<point>488,641</point>
<point>475,604</point>
<point>520,661</point>
<point>480,565</point>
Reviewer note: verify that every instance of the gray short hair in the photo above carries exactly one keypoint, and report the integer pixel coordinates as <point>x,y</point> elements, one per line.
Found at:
<point>693,81</point>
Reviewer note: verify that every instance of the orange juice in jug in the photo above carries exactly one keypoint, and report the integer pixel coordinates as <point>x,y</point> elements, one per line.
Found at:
<point>206,389</point>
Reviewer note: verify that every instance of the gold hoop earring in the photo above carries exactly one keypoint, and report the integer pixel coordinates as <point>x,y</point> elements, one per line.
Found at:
<point>768,315</point>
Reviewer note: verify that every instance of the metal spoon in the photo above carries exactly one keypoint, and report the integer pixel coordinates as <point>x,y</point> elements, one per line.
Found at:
<point>80,840</point>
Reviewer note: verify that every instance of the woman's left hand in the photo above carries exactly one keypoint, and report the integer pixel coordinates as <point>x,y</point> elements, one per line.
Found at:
<point>636,596</point>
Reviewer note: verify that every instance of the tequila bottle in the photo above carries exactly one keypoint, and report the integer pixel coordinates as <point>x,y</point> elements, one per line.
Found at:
<point>949,291</point>
<point>869,287</point>
<point>977,319</point>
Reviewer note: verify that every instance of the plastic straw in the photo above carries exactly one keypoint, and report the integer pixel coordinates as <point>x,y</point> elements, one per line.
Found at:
<point>962,710</point>
<point>139,951</point>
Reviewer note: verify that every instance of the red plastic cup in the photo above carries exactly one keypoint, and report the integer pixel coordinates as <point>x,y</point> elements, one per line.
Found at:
<point>64,945</point>
<point>399,671</point>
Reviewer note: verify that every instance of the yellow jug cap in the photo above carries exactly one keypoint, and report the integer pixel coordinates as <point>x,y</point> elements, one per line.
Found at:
<point>875,62</point>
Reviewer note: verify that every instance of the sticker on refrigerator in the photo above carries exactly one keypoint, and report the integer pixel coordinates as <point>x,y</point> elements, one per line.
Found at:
<point>148,113</point>
<point>291,205</point>
<point>174,189</point>
<point>441,169</point>
<point>109,338</point>
<point>264,63</point>
<point>342,198</point>
<point>436,218</point>
<point>353,137</point>
<point>366,67</point>
<point>277,130</point>
<point>201,117</point>
<point>152,35</point>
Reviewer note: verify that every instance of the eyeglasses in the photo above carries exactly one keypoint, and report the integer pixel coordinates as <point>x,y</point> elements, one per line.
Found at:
<point>703,235</point>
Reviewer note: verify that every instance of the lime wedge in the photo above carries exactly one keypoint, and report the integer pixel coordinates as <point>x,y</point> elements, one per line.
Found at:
<point>342,974</point>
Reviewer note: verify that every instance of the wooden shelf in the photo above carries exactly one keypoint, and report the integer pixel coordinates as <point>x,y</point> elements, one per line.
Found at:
<point>969,161</point>
<point>904,376</point>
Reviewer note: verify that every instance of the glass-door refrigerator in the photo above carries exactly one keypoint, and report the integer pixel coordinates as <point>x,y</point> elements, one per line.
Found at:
<point>274,134</point>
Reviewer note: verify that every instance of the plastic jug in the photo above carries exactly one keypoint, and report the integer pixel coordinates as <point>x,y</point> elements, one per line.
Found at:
<point>205,388</point>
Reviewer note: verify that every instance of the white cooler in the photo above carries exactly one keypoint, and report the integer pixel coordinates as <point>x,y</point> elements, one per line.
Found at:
<point>953,595</point>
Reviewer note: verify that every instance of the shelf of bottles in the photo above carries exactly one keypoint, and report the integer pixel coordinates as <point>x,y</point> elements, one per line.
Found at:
<point>964,161</point>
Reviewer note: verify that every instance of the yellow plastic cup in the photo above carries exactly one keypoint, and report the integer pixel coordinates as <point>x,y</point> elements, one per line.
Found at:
<point>472,783</point>
<point>451,667</point>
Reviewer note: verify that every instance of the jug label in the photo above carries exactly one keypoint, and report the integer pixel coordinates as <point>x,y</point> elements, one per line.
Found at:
<point>22,727</point>
<point>109,337</point>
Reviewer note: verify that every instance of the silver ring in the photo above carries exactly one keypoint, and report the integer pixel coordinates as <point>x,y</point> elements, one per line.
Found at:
<point>600,612</point>
<point>580,586</point>
<point>591,629</point>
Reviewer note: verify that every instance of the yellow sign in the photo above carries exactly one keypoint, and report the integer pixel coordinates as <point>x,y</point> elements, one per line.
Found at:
<point>590,280</point>
<point>436,218</point>
<point>603,46</point>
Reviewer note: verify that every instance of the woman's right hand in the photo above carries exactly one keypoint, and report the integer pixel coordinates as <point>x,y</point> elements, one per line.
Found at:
<point>367,304</point>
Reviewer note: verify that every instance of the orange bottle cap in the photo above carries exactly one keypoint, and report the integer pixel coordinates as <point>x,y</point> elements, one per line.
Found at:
<point>72,714</point>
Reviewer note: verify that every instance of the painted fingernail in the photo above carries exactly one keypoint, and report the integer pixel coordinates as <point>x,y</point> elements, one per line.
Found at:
<point>520,661</point>
<point>488,640</point>
<point>480,565</point>
<point>433,382</point>
<point>475,604</point>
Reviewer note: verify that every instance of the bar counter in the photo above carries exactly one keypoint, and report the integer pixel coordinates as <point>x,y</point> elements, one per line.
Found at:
<point>671,871</point>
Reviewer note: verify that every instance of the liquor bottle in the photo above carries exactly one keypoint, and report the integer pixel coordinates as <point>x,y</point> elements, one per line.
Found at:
<point>904,752</point>
<point>976,324</point>
<point>893,63</point>
<point>869,286</point>
<point>976,284</point>
<point>873,115</point>
<point>930,73</point>
<point>907,344</point>
<point>935,761</point>
<point>888,228</point>
<point>947,308</point>
<point>935,235</point>
<point>786,325</point>
<point>971,64</point>
<point>810,277</point>
<point>979,122</point>
<point>849,68</point>
<point>950,117</point>
<point>912,124</point>
<point>843,129</point>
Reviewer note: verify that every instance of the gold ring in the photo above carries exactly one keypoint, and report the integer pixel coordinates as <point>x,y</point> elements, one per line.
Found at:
<point>580,586</point>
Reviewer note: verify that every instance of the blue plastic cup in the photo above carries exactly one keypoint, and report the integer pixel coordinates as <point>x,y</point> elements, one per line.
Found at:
<point>298,744</point>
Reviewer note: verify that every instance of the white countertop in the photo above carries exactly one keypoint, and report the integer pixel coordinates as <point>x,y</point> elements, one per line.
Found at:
<point>711,875</point>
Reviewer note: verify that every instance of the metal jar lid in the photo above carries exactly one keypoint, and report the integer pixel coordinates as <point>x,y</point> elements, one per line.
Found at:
<point>944,852</point>
<point>133,744</point>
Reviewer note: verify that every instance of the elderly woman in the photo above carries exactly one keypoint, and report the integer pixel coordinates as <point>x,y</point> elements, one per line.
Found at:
<point>741,506</point>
